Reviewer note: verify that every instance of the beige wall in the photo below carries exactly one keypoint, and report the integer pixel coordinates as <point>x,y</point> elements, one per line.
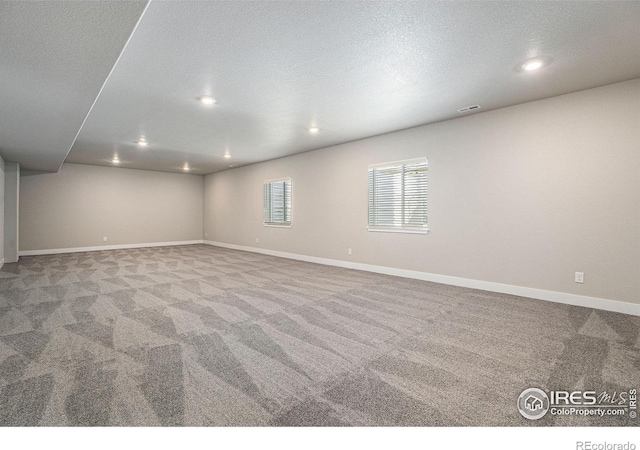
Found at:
<point>2,213</point>
<point>525,195</point>
<point>79,205</point>
<point>11,208</point>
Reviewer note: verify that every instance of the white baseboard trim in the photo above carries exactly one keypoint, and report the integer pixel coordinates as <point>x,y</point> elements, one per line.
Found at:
<point>54,251</point>
<point>539,294</point>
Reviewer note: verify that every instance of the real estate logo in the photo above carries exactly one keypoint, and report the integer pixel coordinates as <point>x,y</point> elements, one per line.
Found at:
<point>533,403</point>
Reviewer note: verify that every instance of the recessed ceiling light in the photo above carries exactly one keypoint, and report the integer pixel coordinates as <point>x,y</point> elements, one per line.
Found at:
<point>186,168</point>
<point>207,100</point>
<point>227,155</point>
<point>314,129</point>
<point>232,165</point>
<point>532,64</point>
<point>142,142</point>
<point>115,160</point>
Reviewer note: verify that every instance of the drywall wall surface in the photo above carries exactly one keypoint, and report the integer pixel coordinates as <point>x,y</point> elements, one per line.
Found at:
<point>526,195</point>
<point>2,212</point>
<point>80,205</point>
<point>11,208</point>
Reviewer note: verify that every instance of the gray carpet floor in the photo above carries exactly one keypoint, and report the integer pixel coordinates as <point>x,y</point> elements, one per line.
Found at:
<point>199,335</point>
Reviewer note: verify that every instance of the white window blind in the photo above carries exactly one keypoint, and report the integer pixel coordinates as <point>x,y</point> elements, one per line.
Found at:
<point>277,202</point>
<point>398,196</point>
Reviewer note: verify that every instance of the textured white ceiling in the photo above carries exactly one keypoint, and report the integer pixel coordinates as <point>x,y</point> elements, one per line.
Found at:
<point>54,58</point>
<point>355,69</point>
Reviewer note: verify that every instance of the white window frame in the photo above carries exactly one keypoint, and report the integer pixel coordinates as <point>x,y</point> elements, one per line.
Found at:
<point>286,224</point>
<point>403,227</point>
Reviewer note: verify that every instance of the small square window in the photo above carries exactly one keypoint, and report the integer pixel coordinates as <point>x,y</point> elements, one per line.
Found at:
<point>398,196</point>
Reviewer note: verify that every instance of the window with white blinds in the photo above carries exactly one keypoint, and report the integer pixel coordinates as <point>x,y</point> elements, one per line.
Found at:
<point>398,196</point>
<point>277,202</point>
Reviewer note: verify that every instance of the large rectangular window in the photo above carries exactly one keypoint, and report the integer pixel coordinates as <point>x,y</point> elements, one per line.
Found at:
<point>277,202</point>
<point>398,196</point>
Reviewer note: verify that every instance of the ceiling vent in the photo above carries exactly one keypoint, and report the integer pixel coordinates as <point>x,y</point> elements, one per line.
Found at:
<point>469,108</point>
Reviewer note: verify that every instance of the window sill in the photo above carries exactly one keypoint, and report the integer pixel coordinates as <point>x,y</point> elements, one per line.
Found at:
<point>399,230</point>
<point>275,225</point>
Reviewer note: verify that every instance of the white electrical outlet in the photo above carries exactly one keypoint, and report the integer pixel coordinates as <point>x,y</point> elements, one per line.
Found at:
<point>579,277</point>
<point>104,239</point>
<point>206,235</point>
<point>349,251</point>
<point>257,240</point>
